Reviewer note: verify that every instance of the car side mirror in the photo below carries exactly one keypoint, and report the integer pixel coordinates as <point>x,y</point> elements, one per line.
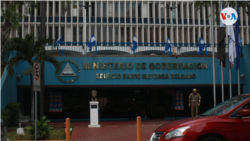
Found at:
<point>244,112</point>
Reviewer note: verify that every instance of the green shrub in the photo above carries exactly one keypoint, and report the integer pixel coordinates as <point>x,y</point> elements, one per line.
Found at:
<point>13,109</point>
<point>5,116</point>
<point>43,129</point>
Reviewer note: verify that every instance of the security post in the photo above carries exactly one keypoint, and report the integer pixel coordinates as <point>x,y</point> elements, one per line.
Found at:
<point>36,88</point>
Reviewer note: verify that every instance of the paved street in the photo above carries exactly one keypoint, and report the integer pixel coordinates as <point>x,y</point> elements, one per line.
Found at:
<point>114,130</point>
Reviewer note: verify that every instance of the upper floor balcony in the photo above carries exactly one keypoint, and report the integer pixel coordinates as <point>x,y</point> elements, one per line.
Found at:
<point>116,48</point>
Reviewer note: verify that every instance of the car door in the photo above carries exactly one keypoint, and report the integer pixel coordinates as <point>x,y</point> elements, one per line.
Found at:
<point>242,126</point>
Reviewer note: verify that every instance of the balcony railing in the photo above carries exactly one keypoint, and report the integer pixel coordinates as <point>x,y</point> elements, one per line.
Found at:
<point>115,48</point>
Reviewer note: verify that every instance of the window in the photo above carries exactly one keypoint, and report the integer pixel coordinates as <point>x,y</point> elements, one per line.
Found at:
<point>110,10</point>
<point>87,34</point>
<point>190,11</point>
<point>31,30</point>
<point>50,32</point>
<point>133,31</point>
<point>201,12</point>
<point>122,9</point>
<point>25,30</point>
<point>150,10</point>
<point>145,35</point>
<point>62,33</point>
<point>185,35</point>
<point>87,9</point>
<point>156,10</point>
<point>168,11</point>
<point>244,14</point>
<point>179,11</point>
<point>196,35</point>
<point>32,9</point>
<point>139,35</point>
<point>69,10</point>
<point>80,34</point>
<point>174,37</point>
<point>39,9</point>
<point>184,11</point>
<point>104,34</point>
<point>127,9</point>
<point>145,10</point>
<point>116,34</point>
<point>157,35</point>
<point>168,33</point>
<point>162,11</point>
<point>50,8</point>
<point>122,35</point>
<point>139,9</point>
<point>93,9</point>
<point>202,34</point>
<point>38,32</point>
<point>207,34</point>
<point>247,106</point>
<point>93,30</point>
<point>133,10</point>
<point>128,34</point>
<point>56,8</point>
<point>74,34</point>
<point>116,9</point>
<point>68,35</point>
<point>62,10</point>
<point>98,9</point>
<point>206,12</point>
<point>173,11</point>
<point>80,9</point>
<point>98,35</point>
<point>162,35</point>
<point>110,34</point>
<point>151,35</point>
<point>104,10</point>
<point>56,32</point>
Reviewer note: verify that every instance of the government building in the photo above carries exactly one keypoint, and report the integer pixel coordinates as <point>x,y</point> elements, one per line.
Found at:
<point>160,82</point>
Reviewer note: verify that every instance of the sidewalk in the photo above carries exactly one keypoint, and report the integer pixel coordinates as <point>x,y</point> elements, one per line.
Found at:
<point>115,130</point>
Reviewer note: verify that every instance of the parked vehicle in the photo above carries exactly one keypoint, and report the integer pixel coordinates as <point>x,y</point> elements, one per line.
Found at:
<point>228,121</point>
<point>3,131</point>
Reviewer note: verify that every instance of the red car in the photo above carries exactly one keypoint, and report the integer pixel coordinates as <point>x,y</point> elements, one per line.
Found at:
<point>228,121</point>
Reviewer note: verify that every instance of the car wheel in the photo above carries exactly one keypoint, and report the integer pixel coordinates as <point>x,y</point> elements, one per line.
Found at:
<point>210,138</point>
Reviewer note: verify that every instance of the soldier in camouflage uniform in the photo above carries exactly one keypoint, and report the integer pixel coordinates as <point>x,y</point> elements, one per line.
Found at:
<point>195,99</point>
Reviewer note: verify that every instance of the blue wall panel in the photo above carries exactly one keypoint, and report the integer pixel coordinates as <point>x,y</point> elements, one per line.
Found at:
<point>8,91</point>
<point>246,64</point>
<point>88,77</point>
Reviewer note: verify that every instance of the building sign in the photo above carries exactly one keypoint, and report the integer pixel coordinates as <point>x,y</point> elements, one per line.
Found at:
<point>55,102</point>
<point>144,66</point>
<point>179,100</point>
<point>36,76</point>
<point>68,74</point>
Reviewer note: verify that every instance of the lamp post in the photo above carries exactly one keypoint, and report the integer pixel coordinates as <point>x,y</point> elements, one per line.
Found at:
<point>171,8</point>
<point>84,25</point>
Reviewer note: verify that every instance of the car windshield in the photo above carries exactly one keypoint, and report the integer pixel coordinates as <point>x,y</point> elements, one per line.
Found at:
<point>226,106</point>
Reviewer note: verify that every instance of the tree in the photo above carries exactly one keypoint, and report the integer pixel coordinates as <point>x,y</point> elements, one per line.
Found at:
<point>12,14</point>
<point>29,51</point>
<point>245,5</point>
